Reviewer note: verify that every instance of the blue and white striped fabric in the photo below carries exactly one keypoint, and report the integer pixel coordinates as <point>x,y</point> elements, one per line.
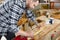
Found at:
<point>10,12</point>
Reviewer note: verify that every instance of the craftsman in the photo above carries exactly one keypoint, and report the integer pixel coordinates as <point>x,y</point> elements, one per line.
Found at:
<point>11,11</point>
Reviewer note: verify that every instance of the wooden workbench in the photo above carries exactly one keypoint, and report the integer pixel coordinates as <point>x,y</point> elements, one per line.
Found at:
<point>44,33</point>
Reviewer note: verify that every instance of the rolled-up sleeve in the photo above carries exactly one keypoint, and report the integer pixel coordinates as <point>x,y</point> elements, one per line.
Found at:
<point>31,16</point>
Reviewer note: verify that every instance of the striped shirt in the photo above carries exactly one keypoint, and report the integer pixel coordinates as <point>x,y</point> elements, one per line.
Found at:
<point>10,12</point>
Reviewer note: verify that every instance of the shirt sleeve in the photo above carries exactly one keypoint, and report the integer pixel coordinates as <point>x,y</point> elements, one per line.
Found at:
<point>31,16</point>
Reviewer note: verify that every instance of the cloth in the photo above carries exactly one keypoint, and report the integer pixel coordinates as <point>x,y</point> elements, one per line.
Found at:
<point>20,38</point>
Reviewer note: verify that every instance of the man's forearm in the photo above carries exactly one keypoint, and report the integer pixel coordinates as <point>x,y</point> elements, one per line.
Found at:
<point>35,22</point>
